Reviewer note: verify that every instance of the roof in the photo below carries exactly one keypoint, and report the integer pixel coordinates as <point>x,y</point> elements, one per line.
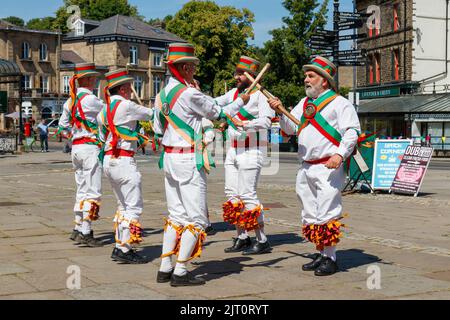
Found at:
<point>91,22</point>
<point>70,57</point>
<point>9,69</point>
<point>407,104</point>
<point>131,27</point>
<point>5,25</point>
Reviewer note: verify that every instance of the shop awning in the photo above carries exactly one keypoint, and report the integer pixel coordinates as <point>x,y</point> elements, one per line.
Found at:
<point>9,69</point>
<point>407,104</point>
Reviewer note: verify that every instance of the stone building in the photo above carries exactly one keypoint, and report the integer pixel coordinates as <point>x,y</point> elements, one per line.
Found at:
<point>119,42</point>
<point>37,54</point>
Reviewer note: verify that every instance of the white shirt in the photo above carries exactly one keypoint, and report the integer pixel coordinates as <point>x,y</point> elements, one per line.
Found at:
<point>191,107</point>
<point>91,106</point>
<point>312,145</point>
<point>127,115</point>
<point>257,106</point>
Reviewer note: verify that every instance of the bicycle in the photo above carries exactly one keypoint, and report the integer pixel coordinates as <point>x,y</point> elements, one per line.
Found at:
<point>29,144</point>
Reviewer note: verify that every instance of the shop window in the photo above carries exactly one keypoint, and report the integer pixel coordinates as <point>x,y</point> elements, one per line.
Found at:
<point>396,18</point>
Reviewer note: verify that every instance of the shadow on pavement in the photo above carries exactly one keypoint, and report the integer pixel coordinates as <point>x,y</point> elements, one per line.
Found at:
<point>216,269</point>
<point>353,258</point>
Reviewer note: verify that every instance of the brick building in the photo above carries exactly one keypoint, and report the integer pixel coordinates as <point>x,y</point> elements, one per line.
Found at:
<point>404,86</point>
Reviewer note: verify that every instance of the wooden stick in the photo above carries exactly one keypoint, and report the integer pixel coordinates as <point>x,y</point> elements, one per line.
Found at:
<point>270,96</point>
<point>258,78</point>
<point>136,95</point>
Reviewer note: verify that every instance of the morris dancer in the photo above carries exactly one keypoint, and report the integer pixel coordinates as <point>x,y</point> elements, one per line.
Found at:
<point>327,135</point>
<point>80,117</point>
<point>180,108</point>
<point>244,160</point>
<point>120,132</point>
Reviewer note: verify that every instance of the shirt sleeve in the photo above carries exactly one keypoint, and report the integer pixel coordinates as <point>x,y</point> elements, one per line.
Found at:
<point>264,120</point>
<point>100,123</point>
<point>286,124</point>
<point>228,105</point>
<point>203,105</point>
<point>64,120</point>
<point>157,125</point>
<point>208,131</point>
<point>95,103</point>
<point>349,127</point>
<point>139,113</point>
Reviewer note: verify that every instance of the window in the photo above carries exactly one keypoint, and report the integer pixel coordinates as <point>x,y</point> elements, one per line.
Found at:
<point>374,26</point>
<point>43,52</point>
<point>138,85</point>
<point>396,19</point>
<point>25,50</point>
<point>66,85</point>
<point>133,55</point>
<point>371,69</point>
<point>377,68</point>
<point>157,59</point>
<point>26,82</point>
<point>79,28</point>
<point>395,65</point>
<point>43,82</point>
<point>156,85</point>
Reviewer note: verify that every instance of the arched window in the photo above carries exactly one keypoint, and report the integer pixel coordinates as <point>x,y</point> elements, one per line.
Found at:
<point>43,52</point>
<point>26,50</point>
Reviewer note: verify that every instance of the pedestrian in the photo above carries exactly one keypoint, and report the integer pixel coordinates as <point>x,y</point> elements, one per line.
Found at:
<point>78,123</point>
<point>119,132</point>
<point>428,140</point>
<point>248,133</point>
<point>327,135</point>
<point>43,135</point>
<point>179,109</point>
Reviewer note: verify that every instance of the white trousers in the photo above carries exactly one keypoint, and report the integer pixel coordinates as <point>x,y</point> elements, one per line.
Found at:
<point>186,189</point>
<point>242,171</point>
<point>319,189</point>
<point>88,175</point>
<point>125,181</point>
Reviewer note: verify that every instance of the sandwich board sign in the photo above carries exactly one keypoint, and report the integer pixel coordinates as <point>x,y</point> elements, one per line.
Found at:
<point>387,157</point>
<point>412,169</point>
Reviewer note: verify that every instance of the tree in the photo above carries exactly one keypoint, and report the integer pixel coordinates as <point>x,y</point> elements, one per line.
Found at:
<point>41,23</point>
<point>287,52</point>
<point>219,35</point>
<point>95,10</point>
<point>160,23</point>
<point>15,21</point>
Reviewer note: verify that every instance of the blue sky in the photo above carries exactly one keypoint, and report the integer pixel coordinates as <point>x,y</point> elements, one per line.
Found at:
<point>268,13</point>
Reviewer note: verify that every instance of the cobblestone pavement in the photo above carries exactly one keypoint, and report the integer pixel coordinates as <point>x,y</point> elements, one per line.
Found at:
<point>404,240</point>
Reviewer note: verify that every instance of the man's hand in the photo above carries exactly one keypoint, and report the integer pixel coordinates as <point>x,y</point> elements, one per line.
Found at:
<point>245,97</point>
<point>237,122</point>
<point>334,162</point>
<point>195,84</point>
<point>275,104</point>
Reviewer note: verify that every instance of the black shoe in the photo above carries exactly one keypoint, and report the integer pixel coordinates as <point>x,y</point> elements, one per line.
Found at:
<point>131,257</point>
<point>313,265</point>
<point>258,248</point>
<point>89,240</point>
<point>239,245</point>
<point>74,235</point>
<point>326,268</point>
<point>210,231</point>
<point>163,277</point>
<point>115,253</point>
<point>187,280</point>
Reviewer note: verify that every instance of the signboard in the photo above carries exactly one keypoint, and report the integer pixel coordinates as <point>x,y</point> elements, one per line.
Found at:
<point>352,52</point>
<point>328,33</point>
<point>412,170</point>
<point>351,63</point>
<point>351,24</point>
<point>387,157</point>
<point>390,92</point>
<point>321,37</point>
<point>3,102</point>
<point>353,15</point>
<point>321,43</point>
<point>352,36</point>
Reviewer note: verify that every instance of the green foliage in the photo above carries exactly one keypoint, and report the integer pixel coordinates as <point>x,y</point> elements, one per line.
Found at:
<point>287,52</point>
<point>95,10</point>
<point>219,35</point>
<point>41,23</point>
<point>15,21</point>
<point>162,23</point>
<point>343,91</point>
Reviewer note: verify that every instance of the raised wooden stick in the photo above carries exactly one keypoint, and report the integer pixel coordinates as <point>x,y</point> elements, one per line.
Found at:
<point>270,96</point>
<point>258,78</point>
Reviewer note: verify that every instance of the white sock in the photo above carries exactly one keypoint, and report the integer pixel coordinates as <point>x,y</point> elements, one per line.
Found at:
<point>242,233</point>
<point>260,235</point>
<point>169,243</point>
<point>78,220</point>
<point>188,242</point>
<point>330,252</point>
<point>86,226</point>
<point>125,236</point>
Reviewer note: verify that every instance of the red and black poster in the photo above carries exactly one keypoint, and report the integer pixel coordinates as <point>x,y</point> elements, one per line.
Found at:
<point>412,170</point>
